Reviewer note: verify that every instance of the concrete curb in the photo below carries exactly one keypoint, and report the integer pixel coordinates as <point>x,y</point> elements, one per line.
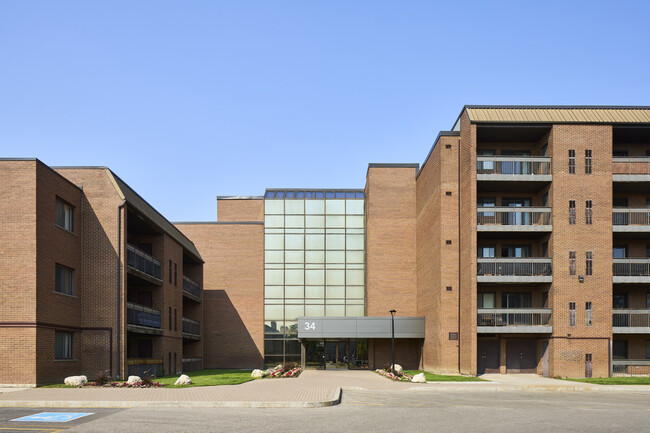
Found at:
<point>173,404</point>
<point>537,388</point>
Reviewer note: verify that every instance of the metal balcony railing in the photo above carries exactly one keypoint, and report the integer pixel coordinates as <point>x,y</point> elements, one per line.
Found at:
<point>143,262</point>
<point>191,326</point>
<point>513,165</point>
<point>631,267</point>
<point>191,287</point>
<point>631,367</point>
<point>628,318</point>
<point>514,317</point>
<point>631,216</point>
<point>516,267</point>
<point>631,165</point>
<point>192,364</point>
<point>513,216</point>
<point>140,366</point>
<point>143,316</point>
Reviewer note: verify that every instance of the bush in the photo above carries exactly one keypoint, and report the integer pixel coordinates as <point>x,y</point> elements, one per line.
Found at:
<point>103,378</point>
<point>148,379</point>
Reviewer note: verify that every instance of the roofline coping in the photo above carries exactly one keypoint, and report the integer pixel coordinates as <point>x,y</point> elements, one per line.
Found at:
<point>240,197</point>
<point>440,134</point>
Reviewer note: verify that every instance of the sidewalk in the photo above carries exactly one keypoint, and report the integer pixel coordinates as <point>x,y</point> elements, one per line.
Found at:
<point>311,389</point>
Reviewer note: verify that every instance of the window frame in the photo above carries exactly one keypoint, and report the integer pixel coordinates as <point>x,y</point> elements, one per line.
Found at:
<point>588,161</point>
<point>572,212</point>
<point>572,161</point>
<point>572,263</point>
<point>589,263</point>
<point>60,208</point>
<point>58,274</point>
<point>65,353</point>
<point>588,212</point>
<point>572,314</point>
<point>588,314</point>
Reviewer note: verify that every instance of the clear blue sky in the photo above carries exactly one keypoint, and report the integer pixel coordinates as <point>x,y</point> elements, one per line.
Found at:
<point>187,100</point>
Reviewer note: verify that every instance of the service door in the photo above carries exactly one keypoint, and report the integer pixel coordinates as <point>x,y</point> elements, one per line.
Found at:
<point>521,356</point>
<point>488,356</point>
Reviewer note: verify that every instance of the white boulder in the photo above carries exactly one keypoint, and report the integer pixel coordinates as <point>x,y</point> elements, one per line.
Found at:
<point>132,380</point>
<point>257,373</point>
<point>419,378</point>
<point>184,379</point>
<point>398,369</point>
<point>76,380</point>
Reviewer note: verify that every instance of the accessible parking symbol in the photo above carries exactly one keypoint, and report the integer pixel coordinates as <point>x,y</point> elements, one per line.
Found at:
<point>53,417</point>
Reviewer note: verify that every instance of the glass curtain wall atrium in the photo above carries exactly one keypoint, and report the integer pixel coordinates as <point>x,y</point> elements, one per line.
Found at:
<point>314,262</point>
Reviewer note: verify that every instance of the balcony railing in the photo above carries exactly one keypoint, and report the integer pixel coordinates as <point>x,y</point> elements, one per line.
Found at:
<point>513,165</point>
<point>631,165</point>
<point>192,364</point>
<point>630,216</point>
<point>191,287</point>
<point>514,216</point>
<point>514,317</point>
<point>515,267</point>
<point>140,366</point>
<point>627,318</point>
<point>191,326</point>
<point>143,262</point>
<point>631,367</point>
<point>631,267</point>
<point>143,316</point>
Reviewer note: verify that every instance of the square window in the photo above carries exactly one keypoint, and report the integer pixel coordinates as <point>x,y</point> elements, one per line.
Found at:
<point>63,345</point>
<point>64,215</point>
<point>64,280</point>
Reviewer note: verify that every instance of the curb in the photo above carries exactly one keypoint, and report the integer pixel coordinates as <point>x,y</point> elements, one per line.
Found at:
<point>106,404</point>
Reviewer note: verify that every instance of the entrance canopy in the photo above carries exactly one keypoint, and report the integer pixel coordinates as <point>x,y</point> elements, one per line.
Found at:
<point>359,327</point>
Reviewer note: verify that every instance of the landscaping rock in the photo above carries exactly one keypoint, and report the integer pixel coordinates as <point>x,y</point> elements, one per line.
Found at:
<point>132,380</point>
<point>184,379</point>
<point>419,378</point>
<point>76,380</point>
<point>258,373</point>
<point>398,369</point>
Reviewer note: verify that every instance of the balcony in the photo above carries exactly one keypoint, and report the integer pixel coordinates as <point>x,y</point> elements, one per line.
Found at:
<point>140,366</point>
<point>192,364</point>
<point>143,320</point>
<point>143,265</point>
<point>191,329</point>
<point>514,270</point>
<point>631,367</point>
<point>631,169</point>
<point>514,168</point>
<point>514,320</point>
<point>191,289</point>
<point>631,220</point>
<point>628,321</point>
<point>514,219</point>
<point>631,270</point>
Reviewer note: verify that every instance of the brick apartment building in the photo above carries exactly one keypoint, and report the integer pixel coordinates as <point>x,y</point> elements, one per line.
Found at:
<point>522,244</point>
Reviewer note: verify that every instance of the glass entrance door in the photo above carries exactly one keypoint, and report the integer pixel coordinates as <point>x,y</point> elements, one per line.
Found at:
<point>336,357</point>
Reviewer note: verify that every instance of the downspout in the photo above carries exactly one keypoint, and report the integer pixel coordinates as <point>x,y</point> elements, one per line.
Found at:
<point>459,258</point>
<point>119,287</point>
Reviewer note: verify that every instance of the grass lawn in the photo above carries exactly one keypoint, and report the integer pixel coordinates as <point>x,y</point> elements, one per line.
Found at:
<point>614,380</point>
<point>443,377</point>
<point>199,378</point>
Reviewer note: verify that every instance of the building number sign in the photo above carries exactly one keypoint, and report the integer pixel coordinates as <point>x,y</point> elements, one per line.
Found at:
<point>310,326</point>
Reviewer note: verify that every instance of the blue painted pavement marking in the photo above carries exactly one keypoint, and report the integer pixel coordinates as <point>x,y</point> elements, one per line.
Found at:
<point>53,416</point>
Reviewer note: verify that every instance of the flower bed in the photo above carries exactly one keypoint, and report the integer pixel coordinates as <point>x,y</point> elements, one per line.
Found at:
<point>140,384</point>
<point>401,377</point>
<point>290,369</point>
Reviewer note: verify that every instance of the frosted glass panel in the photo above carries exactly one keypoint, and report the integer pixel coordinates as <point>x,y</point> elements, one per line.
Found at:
<point>314,207</point>
<point>335,311</point>
<point>355,221</point>
<point>314,257</point>
<point>294,242</point>
<point>335,256</point>
<point>355,256</point>
<point>274,257</point>
<point>315,221</point>
<point>274,242</point>
<point>273,291</point>
<point>354,292</point>
<point>295,257</point>
<point>335,277</point>
<point>273,277</point>
<point>274,207</point>
<point>274,221</point>
<point>337,221</point>
<point>273,312</point>
<point>291,312</point>
<point>315,242</point>
<point>294,292</point>
<point>335,207</point>
<point>355,207</point>
<point>314,277</point>
<point>335,242</point>
<point>295,221</point>
<point>315,292</point>
<point>354,277</point>
<point>354,310</point>
<point>335,292</point>
<point>355,242</point>
<point>314,310</point>
<point>296,207</point>
<point>294,276</point>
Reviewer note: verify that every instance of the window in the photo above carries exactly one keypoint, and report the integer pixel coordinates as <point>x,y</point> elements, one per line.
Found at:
<point>588,212</point>
<point>572,262</point>
<point>486,217</point>
<point>453,335</point>
<point>619,251</point>
<point>64,280</point>
<point>619,301</point>
<point>620,154</point>
<point>516,251</point>
<point>572,314</point>
<point>589,270</point>
<point>64,215</point>
<point>486,251</point>
<point>572,161</point>
<point>62,345</point>
<point>647,300</point>
<point>175,319</point>
<point>170,318</point>
<point>647,350</point>
<point>572,211</point>
<point>588,321</point>
<point>588,161</point>
<point>175,274</point>
<point>516,300</point>
<point>485,300</point>
<point>170,271</point>
<point>619,349</point>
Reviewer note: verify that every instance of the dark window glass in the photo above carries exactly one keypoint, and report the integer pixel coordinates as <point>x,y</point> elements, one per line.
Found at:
<point>175,319</point>
<point>340,195</point>
<point>588,213</point>
<point>516,300</point>
<point>329,194</point>
<point>269,194</point>
<point>64,217</point>
<point>588,321</point>
<point>175,274</point>
<point>486,300</point>
<point>170,319</point>
<point>349,195</point>
<point>291,194</point>
<point>319,195</point>
<point>588,161</point>
<point>309,194</point>
<point>572,262</point>
<point>279,194</point>
<point>620,300</point>
<point>572,314</point>
<point>620,251</point>
<point>170,271</point>
<point>572,211</point>
<point>63,345</point>
<point>619,349</point>
<point>486,251</point>
<point>300,194</point>
<point>620,153</point>
<point>359,195</point>
<point>589,263</point>
<point>572,161</point>
<point>516,251</point>
<point>64,280</point>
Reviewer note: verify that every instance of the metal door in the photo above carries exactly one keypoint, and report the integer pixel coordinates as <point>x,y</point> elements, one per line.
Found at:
<point>521,356</point>
<point>588,370</point>
<point>488,356</point>
<point>545,359</point>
